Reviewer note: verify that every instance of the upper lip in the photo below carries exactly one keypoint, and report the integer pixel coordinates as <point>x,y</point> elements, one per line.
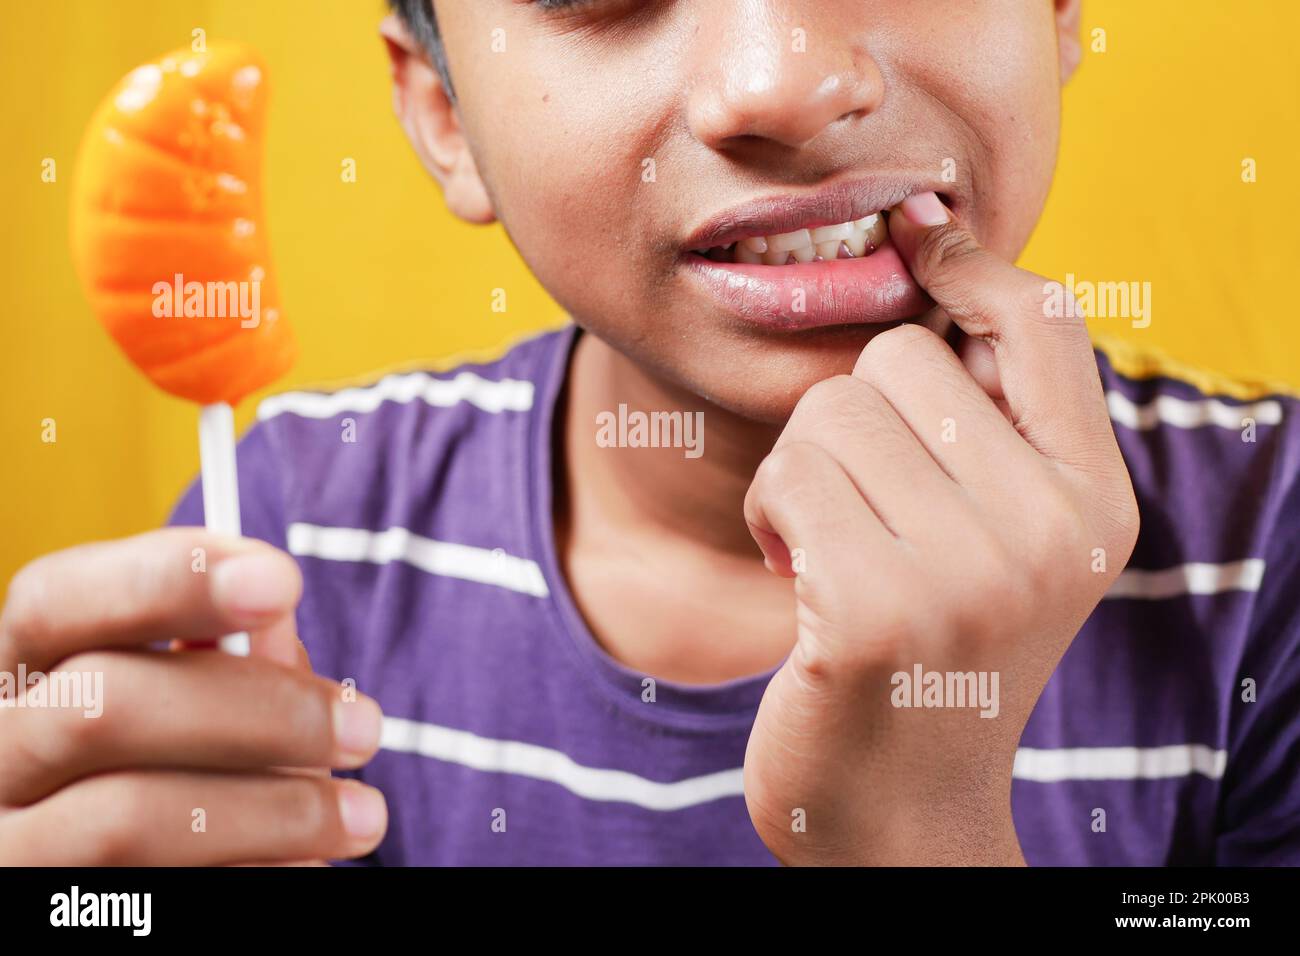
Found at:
<point>829,206</point>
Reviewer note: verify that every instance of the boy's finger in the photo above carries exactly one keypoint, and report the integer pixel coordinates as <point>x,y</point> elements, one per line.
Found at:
<point>277,642</point>
<point>801,498</point>
<point>201,711</point>
<point>1045,364</point>
<point>178,583</point>
<point>145,818</point>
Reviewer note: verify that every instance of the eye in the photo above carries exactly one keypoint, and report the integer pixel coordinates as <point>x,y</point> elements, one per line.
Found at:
<point>583,11</point>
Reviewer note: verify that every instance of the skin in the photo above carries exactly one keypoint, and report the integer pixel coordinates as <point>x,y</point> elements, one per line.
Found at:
<point>976,553</point>
<point>970,555</point>
<point>248,740</point>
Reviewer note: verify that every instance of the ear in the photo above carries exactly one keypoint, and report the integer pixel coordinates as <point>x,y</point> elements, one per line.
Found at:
<point>431,122</point>
<point>1068,29</point>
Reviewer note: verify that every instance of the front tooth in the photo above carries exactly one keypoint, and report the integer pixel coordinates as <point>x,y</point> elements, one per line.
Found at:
<point>747,255</point>
<point>832,233</point>
<point>789,241</point>
<point>867,222</point>
<point>774,257</point>
<point>830,249</point>
<point>804,253</point>
<point>878,232</point>
<point>755,244</point>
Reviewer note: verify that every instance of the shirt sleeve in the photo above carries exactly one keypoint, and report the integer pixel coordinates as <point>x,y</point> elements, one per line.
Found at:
<point>1259,805</point>
<point>261,492</point>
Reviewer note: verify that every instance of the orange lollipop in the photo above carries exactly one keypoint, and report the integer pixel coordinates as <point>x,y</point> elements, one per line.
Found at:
<point>169,239</point>
<point>168,230</point>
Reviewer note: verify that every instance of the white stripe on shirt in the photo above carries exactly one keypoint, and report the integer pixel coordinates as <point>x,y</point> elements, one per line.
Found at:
<point>1194,578</point>
<point>544,763</point>
<point>491,395</point>
<point>1182,413</point>
<point>441,558</point>
<point>1118,763</point>
<point>593,783</point>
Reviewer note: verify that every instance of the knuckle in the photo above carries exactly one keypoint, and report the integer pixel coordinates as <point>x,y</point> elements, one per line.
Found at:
<point>948,258</point>
<point>26,614</point>
<point>27,752</point>
<point>961,276</point>
<point>945,247</point>
<point>789,466</point>
<point>305,810</point>
<point>890,352</point>
<point>306,714</point>
<point>69,737</point>
<point>44,741</point>
<point>787,484</point>
<point>834,406</point>
<point>828,392</point>
<point>1049,302</point>
<point>120,815</point>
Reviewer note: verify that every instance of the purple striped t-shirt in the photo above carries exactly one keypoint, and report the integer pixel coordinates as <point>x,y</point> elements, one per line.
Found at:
<point>419,509</point>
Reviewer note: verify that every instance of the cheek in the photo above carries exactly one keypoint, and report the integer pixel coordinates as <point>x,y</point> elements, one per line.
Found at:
<point>993,68</point>
<point>566,176</point>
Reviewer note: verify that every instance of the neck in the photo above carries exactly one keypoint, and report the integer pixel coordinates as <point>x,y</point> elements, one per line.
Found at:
<point>657,491</point>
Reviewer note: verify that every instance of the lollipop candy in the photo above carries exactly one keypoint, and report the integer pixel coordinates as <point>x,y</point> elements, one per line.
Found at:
<point>169,241</point>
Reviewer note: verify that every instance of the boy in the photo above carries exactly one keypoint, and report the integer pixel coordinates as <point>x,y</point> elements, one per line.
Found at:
<point>581,656</point>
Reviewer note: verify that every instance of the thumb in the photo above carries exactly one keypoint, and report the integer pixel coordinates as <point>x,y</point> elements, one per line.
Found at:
<point>1045,367</point>
<point>971,284</point>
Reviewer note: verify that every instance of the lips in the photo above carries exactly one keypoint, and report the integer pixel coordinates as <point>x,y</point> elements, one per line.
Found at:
<point>801,262</point>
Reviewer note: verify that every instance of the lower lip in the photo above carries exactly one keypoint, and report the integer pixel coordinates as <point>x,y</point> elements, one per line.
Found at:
<point>874,289</point>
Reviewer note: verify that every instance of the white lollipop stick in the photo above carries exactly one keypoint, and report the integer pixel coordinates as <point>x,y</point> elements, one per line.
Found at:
<point>221,489</point>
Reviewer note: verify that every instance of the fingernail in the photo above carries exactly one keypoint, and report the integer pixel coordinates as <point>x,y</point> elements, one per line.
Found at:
<point>255,585</point>
<point>925,209</point>
<point>362,811</point>
<point>357,728</point>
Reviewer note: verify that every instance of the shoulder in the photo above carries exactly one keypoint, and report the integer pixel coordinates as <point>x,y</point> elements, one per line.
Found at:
<point>1215,461</point>
<point>1157,403</point>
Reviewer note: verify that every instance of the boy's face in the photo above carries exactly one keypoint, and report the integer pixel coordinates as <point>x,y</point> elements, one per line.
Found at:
<point>613,137</point>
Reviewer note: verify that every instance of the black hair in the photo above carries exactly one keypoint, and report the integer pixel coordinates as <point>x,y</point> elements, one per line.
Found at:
<point>420,19</point>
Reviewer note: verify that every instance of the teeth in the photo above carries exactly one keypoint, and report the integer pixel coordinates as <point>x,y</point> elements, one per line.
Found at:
<point>789,241</point>
<point>845,240</point>
<point>833,233</point>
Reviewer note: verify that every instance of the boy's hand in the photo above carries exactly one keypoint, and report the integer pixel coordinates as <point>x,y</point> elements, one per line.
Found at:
<point>198,757</point>
<point>931,525</point>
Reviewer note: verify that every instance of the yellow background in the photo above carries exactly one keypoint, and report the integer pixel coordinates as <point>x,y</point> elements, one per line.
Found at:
<point>376,273</point>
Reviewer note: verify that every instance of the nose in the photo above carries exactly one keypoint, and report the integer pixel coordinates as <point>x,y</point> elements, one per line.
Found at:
<point>780,71</point>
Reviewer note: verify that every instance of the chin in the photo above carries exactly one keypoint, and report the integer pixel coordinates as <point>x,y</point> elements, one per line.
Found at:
<point>763,380</point>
